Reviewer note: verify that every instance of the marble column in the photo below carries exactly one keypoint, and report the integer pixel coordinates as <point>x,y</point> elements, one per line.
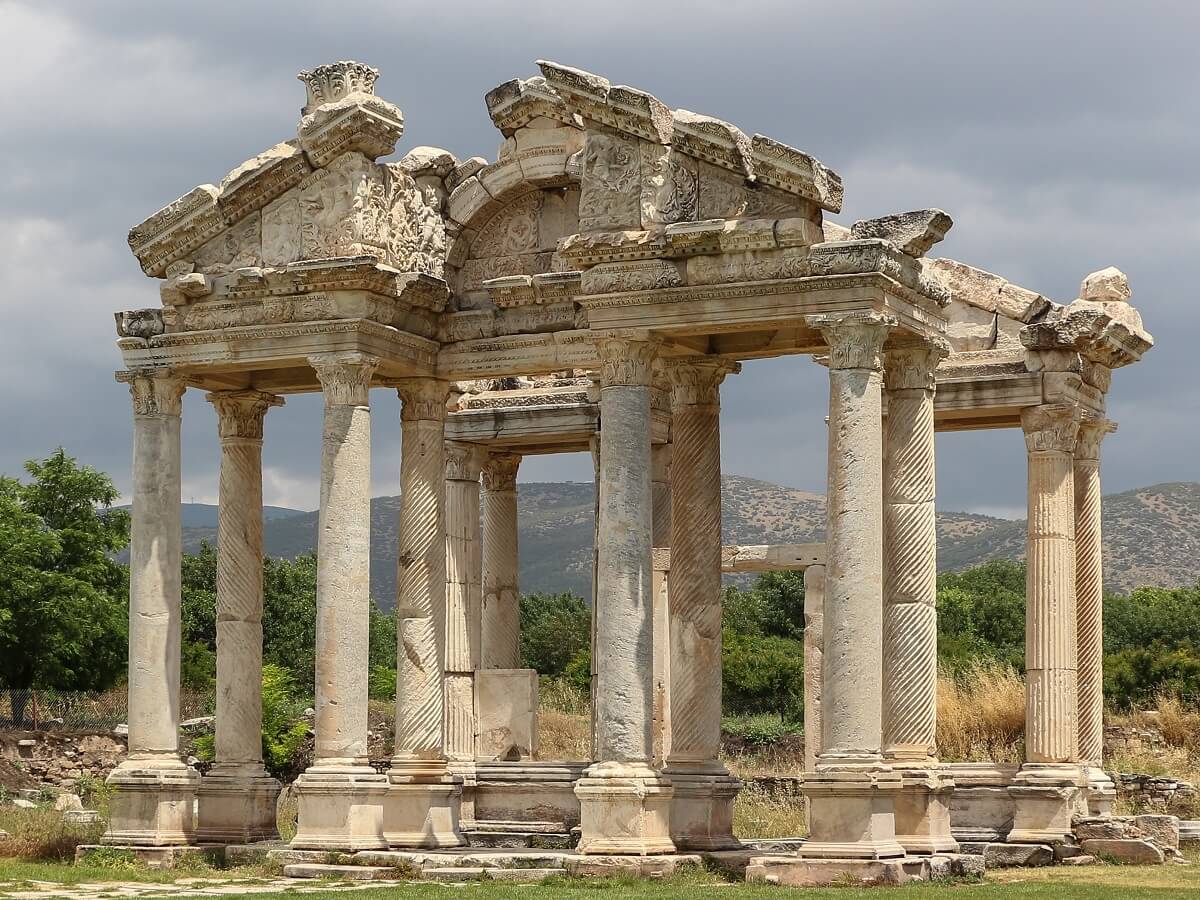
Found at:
<point>501,600</point>
<point>660,487</point>
<point>237,797</point>
<point>1089,613</point>
<point>814,641</point>
<point>1048,789</point>
<point>423,803</point>
<point>464,594</point>
<point>624,802</point>
<point>340,795</point>
<point>852,791</point>
<point>154,790</point>
<point>910,603</point>
<point>704,791</point>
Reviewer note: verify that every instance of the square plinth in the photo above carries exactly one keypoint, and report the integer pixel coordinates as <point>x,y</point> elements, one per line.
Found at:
<point>340,810</point>
<point>153,804</point>
<point>624,814</point>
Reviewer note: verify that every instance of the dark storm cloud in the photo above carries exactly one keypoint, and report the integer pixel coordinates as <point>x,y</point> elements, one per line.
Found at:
<point>1061,137</point>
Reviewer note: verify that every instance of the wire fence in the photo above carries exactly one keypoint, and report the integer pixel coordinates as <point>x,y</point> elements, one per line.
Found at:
<point>50,709</point>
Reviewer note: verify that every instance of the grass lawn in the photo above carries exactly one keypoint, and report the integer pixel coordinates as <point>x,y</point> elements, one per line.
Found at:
<point>1061,883</point>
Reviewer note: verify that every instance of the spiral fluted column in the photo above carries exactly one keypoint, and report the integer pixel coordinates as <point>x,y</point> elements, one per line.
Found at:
<point>909,603</point>
<point>1047,788</point>
<point>624,803</point>
<point>1089,612</point>
<point>852,791</point>
<point>501,600</point>
<point>154,789</point>
<point>702,811</point>
<point>463,598</point>
<point>340,794</point>
<point>423,797</point>
<point>237,796</point>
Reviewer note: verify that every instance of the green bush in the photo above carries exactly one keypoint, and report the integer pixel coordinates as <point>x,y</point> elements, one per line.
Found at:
<point>763,674</point>
<point>554,629</point>
<point>382,683</point>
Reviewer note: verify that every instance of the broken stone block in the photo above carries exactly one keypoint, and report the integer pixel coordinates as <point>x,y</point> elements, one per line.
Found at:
<point>913,232</point>
<point>68,802</point>
<point>1124,850</point>
<point>1106,286</point>
<point>1007,856</point>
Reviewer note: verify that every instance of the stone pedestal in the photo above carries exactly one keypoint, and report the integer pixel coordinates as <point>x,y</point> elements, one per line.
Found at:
<point>423,805</point>
<point>154,791</point>
<point>910,604</point>
<point>1048,789</point>
<point>1089,614</point>
<point>624,803</point>
<point>702,810</point>
<point>852,791</point>
<point>506,705</point>
<point>340,796</point>
<point>236,800</point>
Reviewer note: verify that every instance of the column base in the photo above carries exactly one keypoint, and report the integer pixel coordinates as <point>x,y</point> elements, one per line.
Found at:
<point>236,805</point>
<point>1046,798</point>
<point>702,808</point>
<point>423,806</point>
<point>624,809</point>
<point>852,814</point>
<point>1101,792</point>
<point>153,804</point>
<point>341,808</point>
<point>923,810</point>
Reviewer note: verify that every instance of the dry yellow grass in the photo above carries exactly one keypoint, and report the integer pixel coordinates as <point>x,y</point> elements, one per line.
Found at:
<point>981,714</point>
<point>564,722</point>
<point>763,814</point>
<point>1178,722</point>
<point>43,835</point>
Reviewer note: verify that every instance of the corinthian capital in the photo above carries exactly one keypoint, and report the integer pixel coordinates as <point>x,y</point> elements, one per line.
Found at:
<point>696,380</point>
<point>240,413</point>
<point>1051,427</point>
<point>913,367</point>
<point>500,472</point>
<point>345,377</point>
<point>1091,433</point>
<point>626,361</point>
<point>463,461</point>
<point>155,392</point>
<point>855,339</point>
<point>423,399</point>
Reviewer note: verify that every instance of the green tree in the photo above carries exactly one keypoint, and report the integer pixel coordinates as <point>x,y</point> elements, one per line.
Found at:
<point>63,598</point>
<point>981,612</point>
<point>762,674</point>
<point>554,629</point>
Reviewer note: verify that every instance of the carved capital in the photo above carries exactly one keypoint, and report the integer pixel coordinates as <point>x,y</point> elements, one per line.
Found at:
<point>240,413</point>
<point>1091,433</point>
<point>626,361</point>
<point>345,377</point>
<point>913,368</point>
<point>423,399</point>
<point>1051,427</point>
<point>500,471</point>
<point>335,81</point>
<point>855,339</point>
<point>155,392</point>
<point>696,380</point>
<point>463,461</point>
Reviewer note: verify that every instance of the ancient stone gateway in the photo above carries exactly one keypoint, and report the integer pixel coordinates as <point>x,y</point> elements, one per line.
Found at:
<point>591,289</point>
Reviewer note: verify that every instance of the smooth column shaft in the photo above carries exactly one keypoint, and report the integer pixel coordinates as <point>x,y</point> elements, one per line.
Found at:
<point>463,597</point>
<point>501,597</point>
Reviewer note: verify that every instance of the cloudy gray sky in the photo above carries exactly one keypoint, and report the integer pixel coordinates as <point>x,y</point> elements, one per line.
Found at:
<point>1061,136</point>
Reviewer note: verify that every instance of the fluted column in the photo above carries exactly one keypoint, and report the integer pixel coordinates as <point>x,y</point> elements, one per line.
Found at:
<point>154,789</point>
<point>1089,612</point>
<point>660,487</point>
<point>340,794</point>
<point>909,603</point>
<point>424,798</point>
<point>501,600</point>
<point>625,805</point>
<point>1047,788</point>
<point>237,796</point>
<point>463,598</point>
<point>702,812</point>
<point>852,790</point>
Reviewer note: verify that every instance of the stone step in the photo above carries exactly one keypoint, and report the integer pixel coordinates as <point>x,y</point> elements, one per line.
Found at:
<point>1189,831</point>
<point>346,873</point>
<point>457,873</point>
<point>532,875</point>
<point>512,840</point>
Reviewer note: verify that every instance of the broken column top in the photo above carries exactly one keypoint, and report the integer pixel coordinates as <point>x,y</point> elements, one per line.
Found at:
<point>335,81</point>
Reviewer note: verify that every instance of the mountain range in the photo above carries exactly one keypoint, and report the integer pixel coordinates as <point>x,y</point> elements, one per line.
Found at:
<point>1151,535</point>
